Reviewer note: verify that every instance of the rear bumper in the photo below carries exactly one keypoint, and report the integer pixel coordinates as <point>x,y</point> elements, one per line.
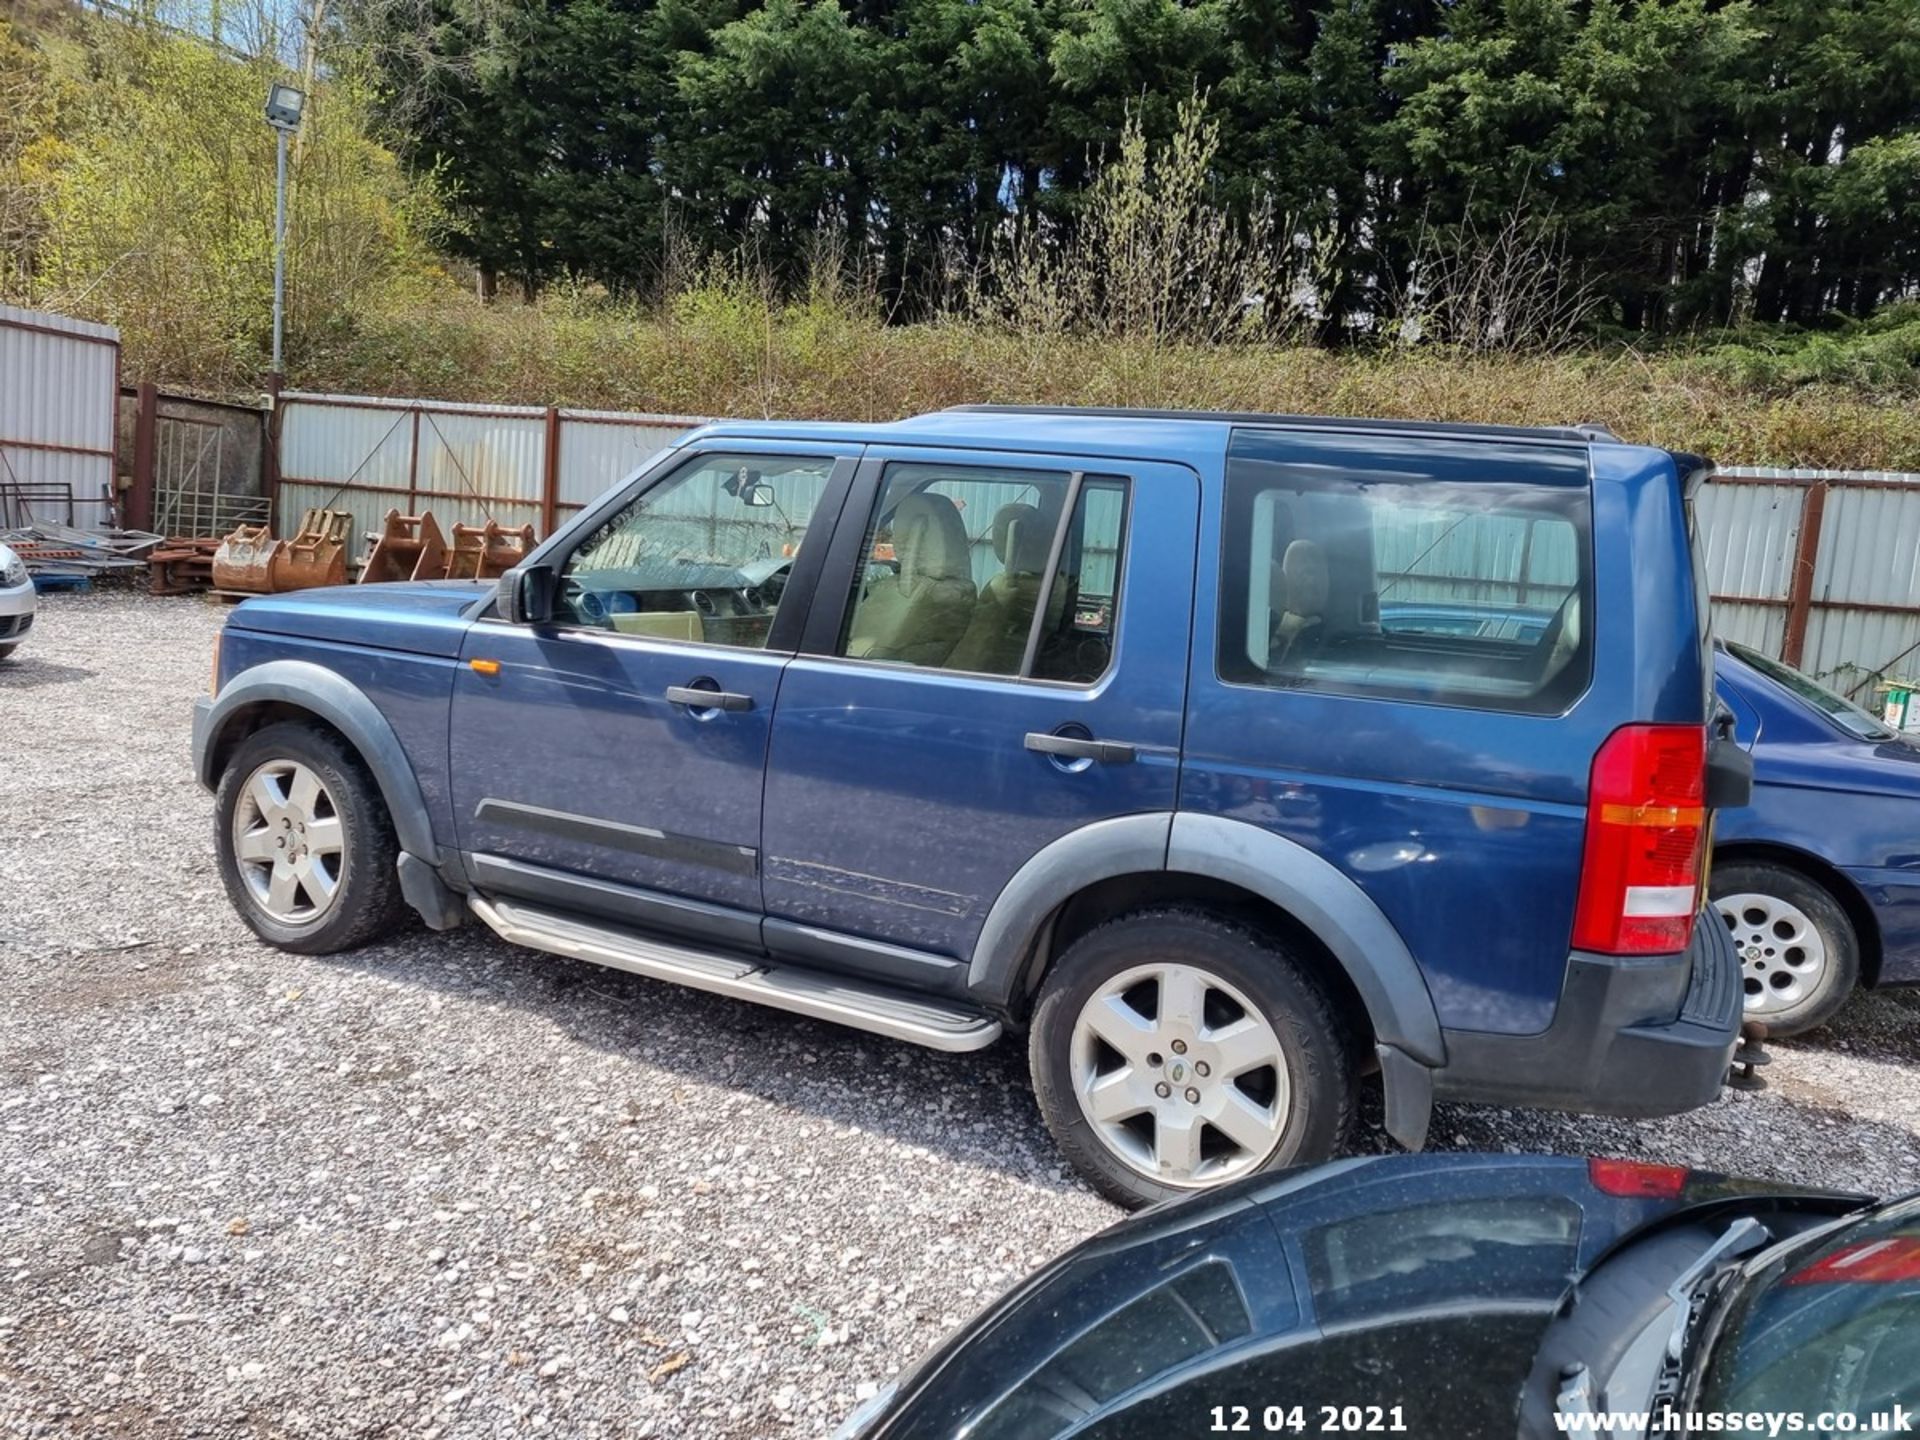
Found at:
<point>1630,1037</point>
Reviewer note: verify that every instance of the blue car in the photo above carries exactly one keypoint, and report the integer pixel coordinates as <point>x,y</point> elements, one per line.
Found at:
<point>1086,724</point>
<point>1818,879</point>
<point>1481,1296</point>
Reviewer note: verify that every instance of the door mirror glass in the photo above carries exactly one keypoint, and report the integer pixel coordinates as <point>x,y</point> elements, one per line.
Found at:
<point>758,496</point>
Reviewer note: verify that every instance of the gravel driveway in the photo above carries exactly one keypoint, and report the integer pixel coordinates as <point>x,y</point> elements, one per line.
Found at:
<point>442,1187</point>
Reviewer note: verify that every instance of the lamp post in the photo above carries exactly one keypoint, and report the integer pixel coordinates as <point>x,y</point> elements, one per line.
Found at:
<point>285,105</point>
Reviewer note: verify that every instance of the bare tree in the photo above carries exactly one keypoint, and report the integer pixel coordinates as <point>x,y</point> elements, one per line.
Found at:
<point>1511,287</point>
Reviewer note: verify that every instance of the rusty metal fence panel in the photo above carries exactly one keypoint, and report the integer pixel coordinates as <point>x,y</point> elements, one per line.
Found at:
<point>514,464</point>
<point>59,412</point>
<point>1818,567</point>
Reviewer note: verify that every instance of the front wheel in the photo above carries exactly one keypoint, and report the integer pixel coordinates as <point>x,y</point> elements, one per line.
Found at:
<point>6,650</point>
<point>1174,1050</point>
<point>307,850</point>
<point>1799,956</point>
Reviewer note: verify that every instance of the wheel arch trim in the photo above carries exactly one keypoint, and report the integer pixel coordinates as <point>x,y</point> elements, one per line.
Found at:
<point>329,697</point>
<point>1282,871</point>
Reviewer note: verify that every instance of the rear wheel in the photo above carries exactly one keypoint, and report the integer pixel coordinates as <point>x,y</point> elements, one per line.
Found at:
<point>307,850</point>
<point>1174,1050</point>
<point>1799,956</point>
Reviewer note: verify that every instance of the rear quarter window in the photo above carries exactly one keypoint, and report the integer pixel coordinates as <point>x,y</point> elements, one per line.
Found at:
<point>1450,572</point>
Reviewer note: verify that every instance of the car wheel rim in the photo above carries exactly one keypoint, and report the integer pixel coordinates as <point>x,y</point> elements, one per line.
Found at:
<point>289,842</point>
<point>1781,950</point>
<point>1180,1075</point>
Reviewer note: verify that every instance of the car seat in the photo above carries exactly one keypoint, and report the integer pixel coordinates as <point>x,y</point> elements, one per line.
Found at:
<point>996,638</point>
<point>918,615</point>
<point>1300,582</point>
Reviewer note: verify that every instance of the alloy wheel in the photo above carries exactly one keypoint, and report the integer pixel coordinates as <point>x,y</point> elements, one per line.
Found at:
<point>1180,1075</point>
<point>1782,954</point>
<point>289,842</point>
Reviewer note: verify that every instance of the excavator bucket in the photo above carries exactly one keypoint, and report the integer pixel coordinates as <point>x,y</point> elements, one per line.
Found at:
<point>244,560</point>
<point>486,552</point>
<point>317,555</point>
<point>410,547</point>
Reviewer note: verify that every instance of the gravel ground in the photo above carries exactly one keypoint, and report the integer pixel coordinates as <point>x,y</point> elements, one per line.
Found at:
<point>442,1187</point>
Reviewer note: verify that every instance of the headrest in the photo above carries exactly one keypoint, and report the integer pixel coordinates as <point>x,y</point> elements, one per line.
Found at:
<point>1021,539</point>
<point>1303,579</point>
<point>930,540</point>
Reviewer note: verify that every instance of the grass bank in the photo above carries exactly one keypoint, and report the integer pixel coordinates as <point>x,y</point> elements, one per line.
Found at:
<point>717,352</point>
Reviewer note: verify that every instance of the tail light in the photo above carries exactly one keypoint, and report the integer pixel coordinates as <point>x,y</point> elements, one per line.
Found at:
<point>1636,1179</point>
<point>1646,838</point>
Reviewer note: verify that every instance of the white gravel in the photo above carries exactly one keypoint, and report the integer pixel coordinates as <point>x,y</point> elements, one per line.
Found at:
<point>442,1187</point>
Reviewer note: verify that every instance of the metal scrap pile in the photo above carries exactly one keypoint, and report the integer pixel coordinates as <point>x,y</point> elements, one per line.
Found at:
<point>68,554</point>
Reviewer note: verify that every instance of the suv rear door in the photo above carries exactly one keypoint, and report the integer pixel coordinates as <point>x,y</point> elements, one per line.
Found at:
<point>1336,701</point>
<point>931,738</point>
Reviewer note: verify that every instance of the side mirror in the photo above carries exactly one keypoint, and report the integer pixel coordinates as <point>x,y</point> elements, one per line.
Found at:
<point>525,595</point>
<point>759,496</point>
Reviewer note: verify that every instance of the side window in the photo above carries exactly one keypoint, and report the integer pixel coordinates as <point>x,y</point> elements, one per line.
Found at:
<point>989,571</point>
<point>704,555</point>
<point>1447,572</point>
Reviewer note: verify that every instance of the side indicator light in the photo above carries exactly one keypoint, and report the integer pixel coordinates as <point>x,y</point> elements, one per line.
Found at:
<point>485,667</point>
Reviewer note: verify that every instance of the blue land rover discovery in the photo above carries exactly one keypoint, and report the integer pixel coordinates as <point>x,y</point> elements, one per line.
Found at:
<point>1081,722</point>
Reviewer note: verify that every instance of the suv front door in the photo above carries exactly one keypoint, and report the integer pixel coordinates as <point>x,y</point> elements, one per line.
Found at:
<point>931,737</point>
<point>612,760</point>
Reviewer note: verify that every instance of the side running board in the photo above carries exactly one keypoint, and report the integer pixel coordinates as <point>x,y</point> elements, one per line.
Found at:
<point>839,999</point>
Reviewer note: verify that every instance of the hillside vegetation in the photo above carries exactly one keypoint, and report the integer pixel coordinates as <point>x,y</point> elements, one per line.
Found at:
<point>136,188</point>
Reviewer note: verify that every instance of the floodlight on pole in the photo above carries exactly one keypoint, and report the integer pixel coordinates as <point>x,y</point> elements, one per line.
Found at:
<point>285,107</point>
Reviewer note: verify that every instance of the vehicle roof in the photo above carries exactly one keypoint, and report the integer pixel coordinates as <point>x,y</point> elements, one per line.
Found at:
<point>1141,433</point>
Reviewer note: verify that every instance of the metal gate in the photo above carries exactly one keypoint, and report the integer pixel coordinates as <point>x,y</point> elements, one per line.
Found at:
<point>194,493</point>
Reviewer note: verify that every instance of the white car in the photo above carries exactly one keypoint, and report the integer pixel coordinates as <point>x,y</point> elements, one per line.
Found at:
<point>16,602</point>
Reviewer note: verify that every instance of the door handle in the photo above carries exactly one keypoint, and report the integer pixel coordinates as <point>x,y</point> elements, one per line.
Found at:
<point>698,697</point>
<point>1073,747</point>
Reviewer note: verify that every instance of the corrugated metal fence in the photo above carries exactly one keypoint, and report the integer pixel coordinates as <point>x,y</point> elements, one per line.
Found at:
<point>1818,567</point>
<point>516,464</point>
<point>59,403</point>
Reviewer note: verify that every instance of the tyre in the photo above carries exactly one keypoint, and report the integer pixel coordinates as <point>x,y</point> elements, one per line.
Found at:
<point>1798,950</point>
<point>6,650</point>
<point>1173,1050</point>
<point>307,850</point>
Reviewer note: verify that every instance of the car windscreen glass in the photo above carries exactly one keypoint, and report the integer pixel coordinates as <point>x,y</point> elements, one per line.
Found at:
<point>1171,1325</point>
<point>1842,712</point>
<point>1831,1327</point>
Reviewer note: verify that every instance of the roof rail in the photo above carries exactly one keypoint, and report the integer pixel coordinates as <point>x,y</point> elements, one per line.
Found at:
<point>1565,434</point>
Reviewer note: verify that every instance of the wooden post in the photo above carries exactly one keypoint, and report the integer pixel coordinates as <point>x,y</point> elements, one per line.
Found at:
<point>550,486</point>
<point>140,496</point>
<point>1800,582</point>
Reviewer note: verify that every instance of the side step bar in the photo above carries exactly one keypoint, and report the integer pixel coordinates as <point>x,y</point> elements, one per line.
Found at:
<point>841,1000</point>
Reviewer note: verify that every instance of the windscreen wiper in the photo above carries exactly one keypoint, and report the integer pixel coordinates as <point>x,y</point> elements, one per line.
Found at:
<point>1687,1296</point>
